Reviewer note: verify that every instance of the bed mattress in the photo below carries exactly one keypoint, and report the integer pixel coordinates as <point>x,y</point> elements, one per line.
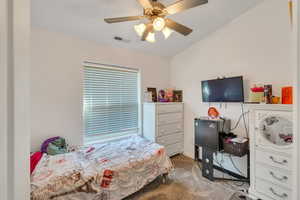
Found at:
<point>104,171</point>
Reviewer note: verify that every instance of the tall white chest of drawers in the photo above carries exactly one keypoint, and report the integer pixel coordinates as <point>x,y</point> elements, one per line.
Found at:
<point>271,150</point>
<point>163,124</point>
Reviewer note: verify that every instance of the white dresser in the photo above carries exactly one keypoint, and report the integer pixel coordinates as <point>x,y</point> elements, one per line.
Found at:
<point>271,150</point>
<point>163,124</point>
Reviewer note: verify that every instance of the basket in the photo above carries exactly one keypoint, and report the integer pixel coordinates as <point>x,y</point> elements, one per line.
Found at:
<point>236,149</point>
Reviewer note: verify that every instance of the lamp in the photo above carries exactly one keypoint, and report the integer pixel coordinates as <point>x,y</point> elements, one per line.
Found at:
<point>150,37</point>
<point>159,23</point>
<point>139,29</point>
<point>167,32</point>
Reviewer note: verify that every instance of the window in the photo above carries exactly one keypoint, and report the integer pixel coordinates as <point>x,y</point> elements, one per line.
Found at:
<point>111,102</point>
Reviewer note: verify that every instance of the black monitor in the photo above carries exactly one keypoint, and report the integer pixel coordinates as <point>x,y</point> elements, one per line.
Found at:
<point>223,90</point>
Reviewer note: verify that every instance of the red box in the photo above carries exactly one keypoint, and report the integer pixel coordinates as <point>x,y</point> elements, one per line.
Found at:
<point>287,95</point>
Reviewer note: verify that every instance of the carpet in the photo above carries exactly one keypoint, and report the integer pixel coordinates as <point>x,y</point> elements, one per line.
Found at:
<point>187,183</point>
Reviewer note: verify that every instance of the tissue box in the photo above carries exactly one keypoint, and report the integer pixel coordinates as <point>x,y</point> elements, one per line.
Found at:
<point>256,96</point>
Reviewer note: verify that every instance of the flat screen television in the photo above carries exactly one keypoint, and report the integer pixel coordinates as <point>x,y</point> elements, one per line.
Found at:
<point>223,90</point>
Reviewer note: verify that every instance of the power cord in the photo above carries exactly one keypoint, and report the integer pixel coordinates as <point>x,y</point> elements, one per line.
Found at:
<point>237,169</point>
<point>242,116</point>
<point>244,120</point>
<point>239,120</point>
<point>234,165</point>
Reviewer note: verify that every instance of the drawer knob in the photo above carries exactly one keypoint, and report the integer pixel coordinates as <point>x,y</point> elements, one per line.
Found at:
<point>283,178</point>
<point>278,162</point>
<point>283,195</point>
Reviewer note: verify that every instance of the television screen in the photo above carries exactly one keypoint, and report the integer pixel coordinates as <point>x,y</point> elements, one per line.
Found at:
<point>223,90</point>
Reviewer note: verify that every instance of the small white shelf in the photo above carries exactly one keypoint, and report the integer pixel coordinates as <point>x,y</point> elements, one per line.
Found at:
<point>287,107</point>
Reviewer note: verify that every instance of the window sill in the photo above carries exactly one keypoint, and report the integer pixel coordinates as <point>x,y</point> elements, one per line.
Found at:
<point>109,139</point>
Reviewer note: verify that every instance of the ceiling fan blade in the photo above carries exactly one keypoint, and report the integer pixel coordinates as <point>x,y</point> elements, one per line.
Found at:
<point>178,27</point>
<point>145,3</point>
<point>182,5</point>
<point>123,19</point>
<point>149,28</point>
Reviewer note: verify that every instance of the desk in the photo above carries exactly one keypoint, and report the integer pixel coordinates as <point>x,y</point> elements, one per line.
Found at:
<point>207,136</point>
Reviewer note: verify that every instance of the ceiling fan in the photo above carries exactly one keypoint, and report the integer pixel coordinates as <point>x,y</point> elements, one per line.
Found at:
<point>156,14</point>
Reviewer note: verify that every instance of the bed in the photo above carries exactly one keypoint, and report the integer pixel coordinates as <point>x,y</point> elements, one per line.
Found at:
<point>104,171</point>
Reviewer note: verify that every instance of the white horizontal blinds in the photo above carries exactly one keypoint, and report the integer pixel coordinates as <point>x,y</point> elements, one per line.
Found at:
<point>110,101</point>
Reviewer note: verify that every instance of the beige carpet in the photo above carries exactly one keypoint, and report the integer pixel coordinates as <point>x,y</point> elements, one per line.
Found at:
<point>187,183</point>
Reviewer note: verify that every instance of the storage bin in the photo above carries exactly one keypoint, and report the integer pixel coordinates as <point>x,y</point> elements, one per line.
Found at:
<point>234,148</point>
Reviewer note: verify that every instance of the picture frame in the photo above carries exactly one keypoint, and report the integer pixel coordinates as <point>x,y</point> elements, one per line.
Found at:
<point>154,94</point>
<point>177,96</point>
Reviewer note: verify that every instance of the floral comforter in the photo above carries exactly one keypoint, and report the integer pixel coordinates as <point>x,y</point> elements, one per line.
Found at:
<point>104,171</point>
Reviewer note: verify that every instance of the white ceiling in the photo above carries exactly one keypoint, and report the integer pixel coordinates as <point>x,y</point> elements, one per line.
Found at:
<point>84,19</point>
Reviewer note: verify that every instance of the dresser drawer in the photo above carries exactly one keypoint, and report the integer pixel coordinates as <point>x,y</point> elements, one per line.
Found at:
<point>273,191</point>
<point>275,160</point>
<point>169,129</point>
<point>169,108</point>
<point>274,175</point>
<point>174,149</point>
<point>170,139</point>
<point>169,118</point>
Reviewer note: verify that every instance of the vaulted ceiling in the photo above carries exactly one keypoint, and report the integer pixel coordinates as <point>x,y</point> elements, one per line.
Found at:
<point>84,19</point>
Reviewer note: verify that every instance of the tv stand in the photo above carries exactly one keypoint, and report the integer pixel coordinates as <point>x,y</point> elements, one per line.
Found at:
<point>208,167</point>
<point>209,136</point>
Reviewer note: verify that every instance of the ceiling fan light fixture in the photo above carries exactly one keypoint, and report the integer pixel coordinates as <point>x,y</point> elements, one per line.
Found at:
<point>159,23</point>
<point>150,37</point>
<point>139,29</point>
<point>167,32</point>
<point>155,13</point>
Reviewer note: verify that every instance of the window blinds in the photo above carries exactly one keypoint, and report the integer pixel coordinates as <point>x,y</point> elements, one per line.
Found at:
<point>110,101</point>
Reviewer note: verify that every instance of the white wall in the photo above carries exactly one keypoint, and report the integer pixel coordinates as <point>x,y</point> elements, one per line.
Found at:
<point>257,45</point>
<point>57,78</point>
